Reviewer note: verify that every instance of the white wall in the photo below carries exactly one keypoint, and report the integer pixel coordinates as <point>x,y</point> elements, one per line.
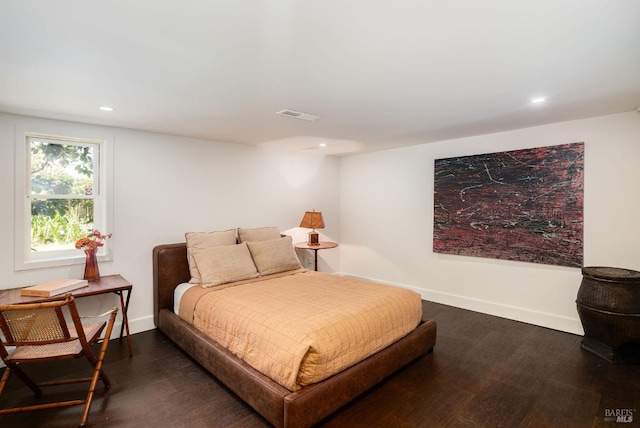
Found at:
<point>165,186</point>
<point>386,221</point>
<point>377,205</point>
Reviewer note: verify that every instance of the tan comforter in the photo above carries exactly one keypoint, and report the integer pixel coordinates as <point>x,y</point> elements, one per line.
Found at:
<point>302,327</point>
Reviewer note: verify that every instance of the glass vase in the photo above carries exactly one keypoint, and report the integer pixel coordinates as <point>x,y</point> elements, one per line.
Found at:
<point>91,271</point>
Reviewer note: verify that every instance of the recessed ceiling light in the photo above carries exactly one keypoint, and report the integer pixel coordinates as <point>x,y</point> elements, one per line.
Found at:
<point>538,100</point>
<point>323,145</point>
<point>106,108</point>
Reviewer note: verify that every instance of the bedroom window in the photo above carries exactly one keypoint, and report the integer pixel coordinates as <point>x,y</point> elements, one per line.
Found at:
<point>63,198</point>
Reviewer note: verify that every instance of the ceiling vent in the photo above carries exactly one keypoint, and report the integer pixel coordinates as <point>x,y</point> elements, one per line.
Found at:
<point>298,115</point>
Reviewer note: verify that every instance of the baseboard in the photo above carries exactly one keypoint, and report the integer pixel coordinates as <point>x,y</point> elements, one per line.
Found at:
<point>137,325</point>
<point>542,319</point>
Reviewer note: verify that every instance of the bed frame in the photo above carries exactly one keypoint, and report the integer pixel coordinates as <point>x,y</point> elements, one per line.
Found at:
<point>275,403</point>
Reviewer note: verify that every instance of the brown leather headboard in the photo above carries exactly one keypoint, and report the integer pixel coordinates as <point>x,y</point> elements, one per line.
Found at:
<point>170,268</point>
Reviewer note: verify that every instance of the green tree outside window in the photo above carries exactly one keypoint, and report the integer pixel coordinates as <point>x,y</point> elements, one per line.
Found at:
<point>62,185</point>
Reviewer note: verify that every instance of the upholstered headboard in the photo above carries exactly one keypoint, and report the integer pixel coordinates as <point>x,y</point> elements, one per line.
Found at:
<point>170,268</point>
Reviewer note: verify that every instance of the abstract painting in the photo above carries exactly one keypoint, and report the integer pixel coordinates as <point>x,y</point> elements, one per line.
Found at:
<point>523,205</point>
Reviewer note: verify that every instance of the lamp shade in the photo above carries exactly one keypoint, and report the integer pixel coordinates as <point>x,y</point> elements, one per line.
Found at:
<point>312,220</point>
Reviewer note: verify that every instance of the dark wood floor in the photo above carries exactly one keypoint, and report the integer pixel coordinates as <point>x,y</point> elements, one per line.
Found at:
<point>485,372</point>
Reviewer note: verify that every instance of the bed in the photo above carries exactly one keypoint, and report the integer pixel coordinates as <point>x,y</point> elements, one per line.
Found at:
<point>279,405</point>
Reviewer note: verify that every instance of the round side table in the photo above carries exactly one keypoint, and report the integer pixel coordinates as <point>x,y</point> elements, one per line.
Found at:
<point>315,248</point>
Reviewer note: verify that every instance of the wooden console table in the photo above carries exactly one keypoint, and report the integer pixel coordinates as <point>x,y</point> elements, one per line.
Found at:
<point>106,284</point>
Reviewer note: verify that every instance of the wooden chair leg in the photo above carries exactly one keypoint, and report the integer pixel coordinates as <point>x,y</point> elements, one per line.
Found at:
<point>13,368</point>
<point>5,378</point>
<point>92,387</point>
<point>102,375</point>
<point>98,373</point>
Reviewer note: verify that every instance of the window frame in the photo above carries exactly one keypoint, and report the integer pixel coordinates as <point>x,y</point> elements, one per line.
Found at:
<point>25,259</point>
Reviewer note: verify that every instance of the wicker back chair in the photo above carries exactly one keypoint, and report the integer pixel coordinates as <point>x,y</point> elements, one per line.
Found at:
<point>39,332</point>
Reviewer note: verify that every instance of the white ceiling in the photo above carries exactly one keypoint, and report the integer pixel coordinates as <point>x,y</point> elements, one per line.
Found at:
<point>381,73</point>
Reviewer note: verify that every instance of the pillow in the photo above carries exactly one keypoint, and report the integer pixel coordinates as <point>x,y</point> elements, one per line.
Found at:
<point>258,234</point>
<point>274,255</point>
<point>228,263</point>
<point>205,239</point>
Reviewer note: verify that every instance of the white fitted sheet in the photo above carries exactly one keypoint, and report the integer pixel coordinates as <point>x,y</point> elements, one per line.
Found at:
<point>178,293</point>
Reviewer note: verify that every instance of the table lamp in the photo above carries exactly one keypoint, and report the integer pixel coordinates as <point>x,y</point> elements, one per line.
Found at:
<point>312,220</point>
